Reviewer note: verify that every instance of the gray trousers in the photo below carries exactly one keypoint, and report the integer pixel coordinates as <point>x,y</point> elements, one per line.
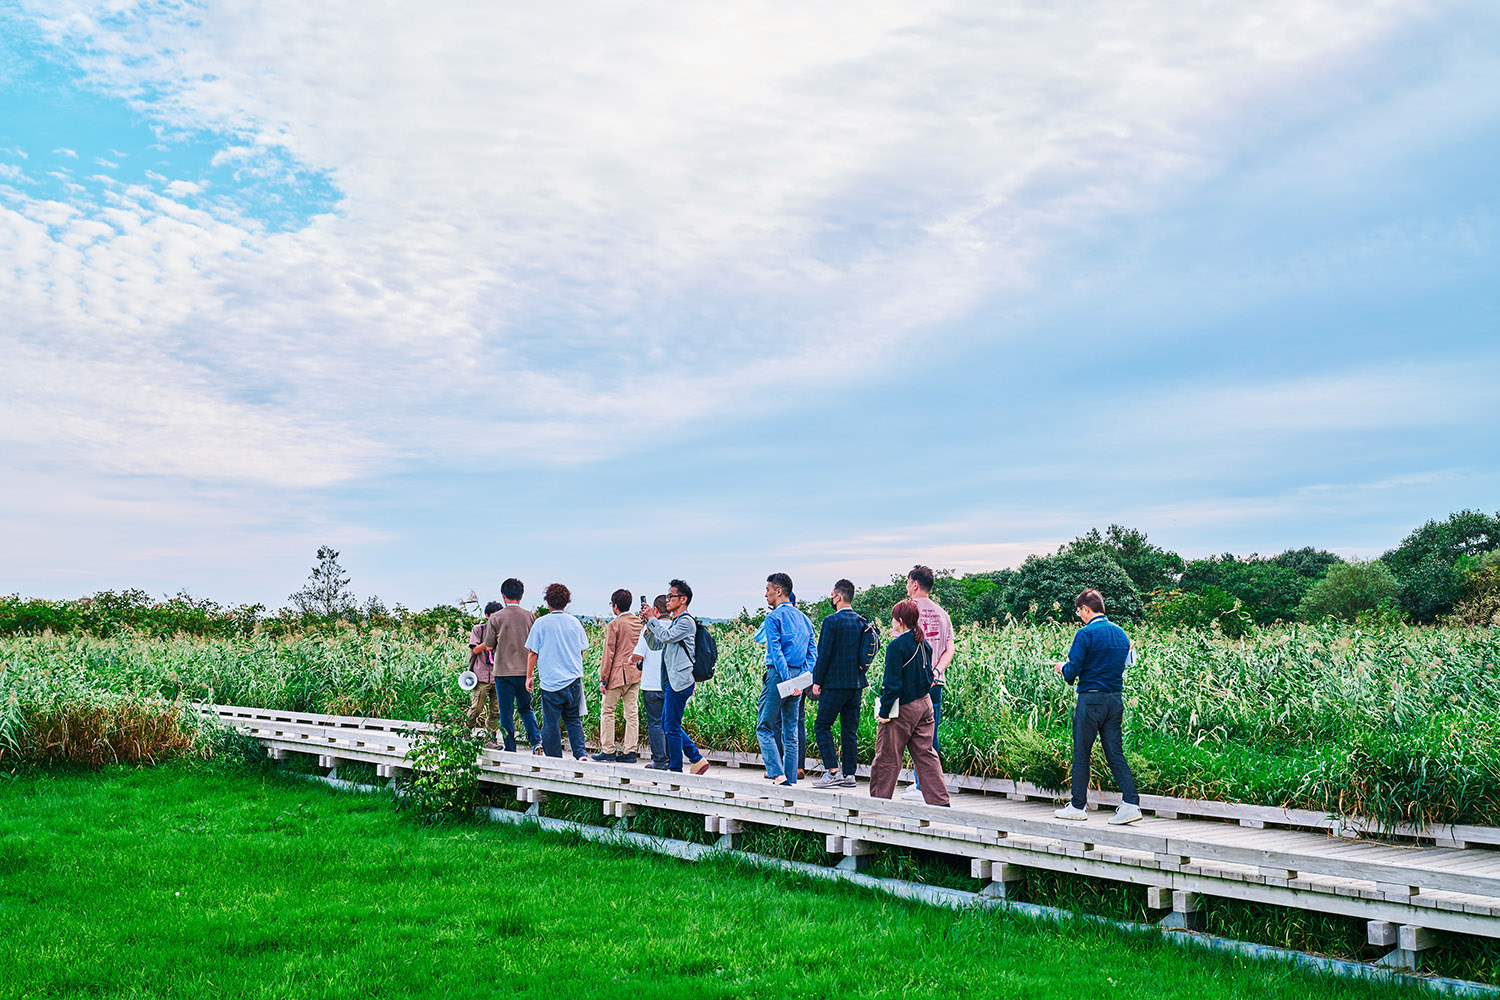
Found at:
<point>1100,714</point>
<point>655,735</point>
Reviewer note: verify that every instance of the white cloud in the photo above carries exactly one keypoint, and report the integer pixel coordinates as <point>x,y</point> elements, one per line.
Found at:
<point>557,225</point>
<point>64,151</point>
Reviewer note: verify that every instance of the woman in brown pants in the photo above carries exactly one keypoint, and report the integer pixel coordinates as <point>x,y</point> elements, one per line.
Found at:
<point>905,712</point>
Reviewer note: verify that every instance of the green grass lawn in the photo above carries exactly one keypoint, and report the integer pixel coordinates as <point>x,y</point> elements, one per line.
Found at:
<point>207,882</point>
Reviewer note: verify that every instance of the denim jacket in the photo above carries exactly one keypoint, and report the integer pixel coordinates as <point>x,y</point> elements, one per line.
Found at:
<point>790,646</point>
<point>1098,656</point>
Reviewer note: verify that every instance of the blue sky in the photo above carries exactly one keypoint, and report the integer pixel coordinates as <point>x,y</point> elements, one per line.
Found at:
<point>608,296</point>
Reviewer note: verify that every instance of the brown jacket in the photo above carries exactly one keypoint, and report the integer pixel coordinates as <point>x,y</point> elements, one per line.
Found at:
<point>620,637</point>
<point>505,632</point>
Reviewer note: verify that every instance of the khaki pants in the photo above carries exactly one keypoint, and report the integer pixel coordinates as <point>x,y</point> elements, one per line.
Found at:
<point>630,694</point>
<point>484,706</point>
<point>911,730</point>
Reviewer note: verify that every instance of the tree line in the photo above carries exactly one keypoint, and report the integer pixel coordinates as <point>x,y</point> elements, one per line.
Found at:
<point>1443,571</point>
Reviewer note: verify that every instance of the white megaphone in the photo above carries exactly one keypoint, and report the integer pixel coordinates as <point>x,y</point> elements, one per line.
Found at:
<point>468,680</point>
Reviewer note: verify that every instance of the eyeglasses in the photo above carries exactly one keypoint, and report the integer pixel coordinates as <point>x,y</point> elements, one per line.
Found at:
<point>674,597</point>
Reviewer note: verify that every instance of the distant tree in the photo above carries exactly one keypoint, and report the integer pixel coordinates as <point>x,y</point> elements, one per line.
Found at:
<point>1430,588</point>
<point>987,595</point>
<point>327,592</point>
<point>1044,587</point>
<point>1429,561</point>
<point>1466,533</point>
<point>1306,561</point>
<point>1208,608</point>
<point>875,602</point>
<point>1351,589</point>
<point>1149,567</point>
<point>1270,589</point>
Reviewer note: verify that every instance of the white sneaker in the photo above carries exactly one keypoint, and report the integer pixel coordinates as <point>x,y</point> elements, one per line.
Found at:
<point>913,794</point>
<point>1070,811</point>
<point>1127,813</point>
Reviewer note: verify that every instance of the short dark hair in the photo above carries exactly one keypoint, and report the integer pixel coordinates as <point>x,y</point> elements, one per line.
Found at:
<point>921,576</point>
<point>683,589</point>
<point>492,607</point>
<point>621,599</point>
<point>845,589</point>
<point>781,580</point>
<point>512,589</point>
<point>1091,599</point>
<point>558,596</point>
<point>660,604</point>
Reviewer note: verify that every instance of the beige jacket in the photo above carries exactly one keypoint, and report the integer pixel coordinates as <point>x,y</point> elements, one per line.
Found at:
<point>620,637</point>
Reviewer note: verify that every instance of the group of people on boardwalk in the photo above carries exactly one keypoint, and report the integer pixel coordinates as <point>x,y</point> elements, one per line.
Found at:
<point>657,654</point>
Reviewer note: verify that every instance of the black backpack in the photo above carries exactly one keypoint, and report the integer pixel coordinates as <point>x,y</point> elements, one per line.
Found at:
<point>704,654</point>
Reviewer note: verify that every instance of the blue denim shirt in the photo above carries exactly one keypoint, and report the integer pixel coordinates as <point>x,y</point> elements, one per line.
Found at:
<point>1097,658</point>
<point>790,647</point>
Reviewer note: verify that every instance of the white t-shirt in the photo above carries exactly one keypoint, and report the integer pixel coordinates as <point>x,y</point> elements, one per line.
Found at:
<point>650,666</point>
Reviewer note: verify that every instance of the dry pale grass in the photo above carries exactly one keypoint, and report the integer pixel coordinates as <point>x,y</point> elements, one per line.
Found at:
<point>95,735</point>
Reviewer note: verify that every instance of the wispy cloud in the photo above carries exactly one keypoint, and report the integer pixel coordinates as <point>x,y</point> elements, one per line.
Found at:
<point>694,210</point>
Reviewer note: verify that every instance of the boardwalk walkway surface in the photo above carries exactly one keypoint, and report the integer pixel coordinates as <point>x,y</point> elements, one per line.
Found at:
<point>1444,879</point>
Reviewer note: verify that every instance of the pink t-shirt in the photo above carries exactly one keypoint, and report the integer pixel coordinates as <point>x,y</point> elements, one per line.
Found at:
<point>938,628</point>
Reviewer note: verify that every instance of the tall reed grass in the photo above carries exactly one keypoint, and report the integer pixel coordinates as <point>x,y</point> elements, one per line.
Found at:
<point>1401,724</point>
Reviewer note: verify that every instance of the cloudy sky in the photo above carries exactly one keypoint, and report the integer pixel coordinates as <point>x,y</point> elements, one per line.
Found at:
<point>607,293</point>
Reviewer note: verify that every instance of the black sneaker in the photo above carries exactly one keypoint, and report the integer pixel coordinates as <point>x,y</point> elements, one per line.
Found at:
<point>607,758</point>
<point>626,758</point>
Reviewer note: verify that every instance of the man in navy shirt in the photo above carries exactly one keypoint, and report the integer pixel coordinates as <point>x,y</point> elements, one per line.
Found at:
<point>1096,663</point>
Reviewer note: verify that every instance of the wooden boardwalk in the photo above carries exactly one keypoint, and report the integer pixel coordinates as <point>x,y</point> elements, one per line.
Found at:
<point>1186,851</point>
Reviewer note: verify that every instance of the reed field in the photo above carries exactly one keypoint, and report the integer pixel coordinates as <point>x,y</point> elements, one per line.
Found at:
<point>1400,723</point>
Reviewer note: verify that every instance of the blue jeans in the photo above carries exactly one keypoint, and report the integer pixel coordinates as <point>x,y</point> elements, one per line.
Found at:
<point>513,694</point>
<point>936,692</point>
<point>657,736</point>
<point>802,743</point>
<point>776,729</point>
<point>678,742</point>
<point>559,708</point>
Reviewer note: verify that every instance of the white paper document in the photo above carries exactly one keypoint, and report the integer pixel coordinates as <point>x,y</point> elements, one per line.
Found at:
<point>801,682</point>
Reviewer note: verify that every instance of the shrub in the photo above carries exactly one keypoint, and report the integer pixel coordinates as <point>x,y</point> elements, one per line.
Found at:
<point>1348,589</point>
<point>444,760</point>
<point>1481,601</point>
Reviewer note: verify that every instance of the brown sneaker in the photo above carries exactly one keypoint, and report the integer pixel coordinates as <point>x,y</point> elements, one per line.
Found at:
<point>699,766</point>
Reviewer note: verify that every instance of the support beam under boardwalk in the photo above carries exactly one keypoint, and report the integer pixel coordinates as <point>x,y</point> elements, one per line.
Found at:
<point>1187,911</point>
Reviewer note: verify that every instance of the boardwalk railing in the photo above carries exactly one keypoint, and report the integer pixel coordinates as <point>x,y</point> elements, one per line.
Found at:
<point>1187,851</point>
